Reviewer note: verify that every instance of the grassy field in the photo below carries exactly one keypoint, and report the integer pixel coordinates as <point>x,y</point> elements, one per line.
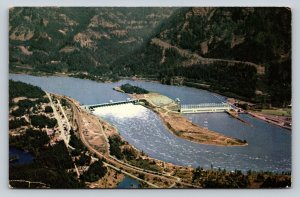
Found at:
<point>278,112</point>
<point>160,100</point>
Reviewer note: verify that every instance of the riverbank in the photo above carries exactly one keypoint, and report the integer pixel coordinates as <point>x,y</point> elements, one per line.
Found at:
<point>63,74</point>
<point>180,126</point>
<point>167,175</point>
<point>216,95</point>
<point>162,177</point>
<point>235,115</point>
<point>271,119</point>
<point>206,175</point>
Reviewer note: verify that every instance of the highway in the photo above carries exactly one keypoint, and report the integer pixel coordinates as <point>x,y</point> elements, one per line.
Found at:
<point>64,135</point>
<point>117,163</point>
<point>59,121</point>
<point>130,175</point>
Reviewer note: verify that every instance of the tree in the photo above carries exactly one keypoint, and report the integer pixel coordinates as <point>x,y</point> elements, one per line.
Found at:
<point>96,171</point>
<point>41,121</point>
<point>197,173</point>
<point>115,143</point>
<point>48,109</point>
<point>84,160</point>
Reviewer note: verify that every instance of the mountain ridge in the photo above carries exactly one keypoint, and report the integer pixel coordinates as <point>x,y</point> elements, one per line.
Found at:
<point>204,41</point>
<point>242,52</point>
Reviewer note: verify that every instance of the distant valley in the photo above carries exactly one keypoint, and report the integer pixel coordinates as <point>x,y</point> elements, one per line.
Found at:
<point>239,52</point>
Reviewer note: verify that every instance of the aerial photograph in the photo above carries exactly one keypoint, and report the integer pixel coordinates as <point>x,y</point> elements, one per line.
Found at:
<point>150,97</point>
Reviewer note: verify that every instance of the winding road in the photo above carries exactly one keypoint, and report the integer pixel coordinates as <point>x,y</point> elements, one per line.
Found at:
<point>112,161</point>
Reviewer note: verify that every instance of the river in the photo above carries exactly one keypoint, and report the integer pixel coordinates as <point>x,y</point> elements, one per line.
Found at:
<point>22,157</point>
<point>129,183</point>
<point>269,146</point>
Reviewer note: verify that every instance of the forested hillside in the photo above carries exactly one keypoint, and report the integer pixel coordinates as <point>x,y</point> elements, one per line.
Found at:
<point>242,52</point>
<point>61,39</point>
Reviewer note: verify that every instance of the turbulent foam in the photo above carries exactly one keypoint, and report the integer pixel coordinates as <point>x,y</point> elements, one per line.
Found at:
<point>144,129</point>
<point>122,111</point>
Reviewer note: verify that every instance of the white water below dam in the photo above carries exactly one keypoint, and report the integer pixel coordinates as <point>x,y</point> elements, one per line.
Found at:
<point>123,111</point>
<point>269,146</point>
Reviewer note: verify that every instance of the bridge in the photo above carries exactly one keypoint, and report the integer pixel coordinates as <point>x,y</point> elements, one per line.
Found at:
<point>185,109</point>
<point>205,107</point>
<point>111,103</point>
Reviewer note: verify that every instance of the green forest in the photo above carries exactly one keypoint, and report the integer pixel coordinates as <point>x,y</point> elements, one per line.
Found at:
<point>120,44</point>
<point>51,162</point>
<point>130,89</point>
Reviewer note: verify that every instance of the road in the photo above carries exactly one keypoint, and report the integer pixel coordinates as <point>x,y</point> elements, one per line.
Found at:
<point>120,164</point>
<point>59,121</point>
<point>64,114</point>
<point>29,182</point>
<point>65,135</point>
<point>130,175</point>
<point>196,58</point>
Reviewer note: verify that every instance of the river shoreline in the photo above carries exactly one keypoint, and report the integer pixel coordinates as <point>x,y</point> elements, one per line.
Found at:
<point>170,175</point>
<point>264,118</point>
<point>162,178</point>
<point>72,75</point>
<point>182,128</point>
<point>93,137</point>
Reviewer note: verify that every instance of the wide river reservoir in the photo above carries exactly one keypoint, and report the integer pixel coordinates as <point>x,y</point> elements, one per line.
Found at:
<point>269,146</point>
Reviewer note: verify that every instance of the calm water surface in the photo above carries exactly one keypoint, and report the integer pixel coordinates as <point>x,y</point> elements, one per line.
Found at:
<point>269,146</point>
<point>23,156</point>
<point>128,183</point>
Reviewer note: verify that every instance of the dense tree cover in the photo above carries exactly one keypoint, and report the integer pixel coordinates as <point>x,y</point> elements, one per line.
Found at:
<point>145,164</point>
<point>32,140</point>
<point>259,35</point>
<point>48,109</point>
<point>130,89</point>
<point>83,160</point>
<point>51,162</point>
<point>272,182</point>
<point>18,89</point>
<point>64,102</point>
<point>236,80</point>
<point>42,121</point>
<point>197,173</point>
<point>26,103</point>
<point>96,171</point>
<point>53,177</point>
<point>236,179</point>
<point>75,142</point>
<point>49,167</point>
<point>144,62</point>
<point>26,106</point>
<point>279,82</point>
<point>56,156</point>
<point>16,123</point>
<point>48,55</point>
<point>266,32</point>
<point>43,100</point>
<point>239,79</point>
<point>129,154</point>
<point>115,142</point>
<point>19,112</point>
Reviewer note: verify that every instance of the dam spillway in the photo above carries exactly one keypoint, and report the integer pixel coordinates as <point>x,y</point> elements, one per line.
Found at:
<point>205,107</point>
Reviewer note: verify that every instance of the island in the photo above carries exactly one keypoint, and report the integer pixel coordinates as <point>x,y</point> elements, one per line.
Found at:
<point>71,130</point>
<point>72,148</point>
<point>167,109</point>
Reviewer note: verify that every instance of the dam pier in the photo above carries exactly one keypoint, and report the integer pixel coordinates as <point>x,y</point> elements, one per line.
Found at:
<point>185,108</point>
